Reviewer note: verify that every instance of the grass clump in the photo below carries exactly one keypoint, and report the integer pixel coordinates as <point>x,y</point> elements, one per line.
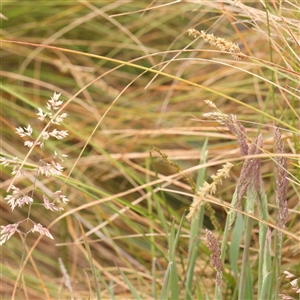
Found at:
<point>89,210</point>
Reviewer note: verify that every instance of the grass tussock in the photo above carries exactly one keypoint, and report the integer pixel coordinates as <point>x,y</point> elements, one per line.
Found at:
<point>89,90</point>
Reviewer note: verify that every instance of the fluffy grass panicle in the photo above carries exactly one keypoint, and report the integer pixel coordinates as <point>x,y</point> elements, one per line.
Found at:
<point>46,167</point>
<point>294,283</point>
<point>221,43</point>
<point>215,257</point>
<point>208,189</point>
<point>281,180</point>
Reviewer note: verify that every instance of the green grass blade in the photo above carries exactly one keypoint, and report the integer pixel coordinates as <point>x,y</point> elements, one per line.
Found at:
<point>165,288</point>
<point>90,260</point>
<point>130,286</point>
<point>195,231</point>
<point>234,249</point>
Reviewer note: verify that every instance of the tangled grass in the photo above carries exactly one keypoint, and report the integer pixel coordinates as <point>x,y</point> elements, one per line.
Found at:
<point>212,213</point>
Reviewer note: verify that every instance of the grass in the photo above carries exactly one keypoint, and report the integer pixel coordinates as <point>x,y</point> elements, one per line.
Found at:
<point>151,214</point>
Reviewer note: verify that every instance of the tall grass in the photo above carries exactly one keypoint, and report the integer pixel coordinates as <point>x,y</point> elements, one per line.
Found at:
<point>180,122</point>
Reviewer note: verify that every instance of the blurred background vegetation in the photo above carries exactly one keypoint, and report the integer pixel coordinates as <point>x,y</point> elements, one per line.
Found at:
<point>139,110</point>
